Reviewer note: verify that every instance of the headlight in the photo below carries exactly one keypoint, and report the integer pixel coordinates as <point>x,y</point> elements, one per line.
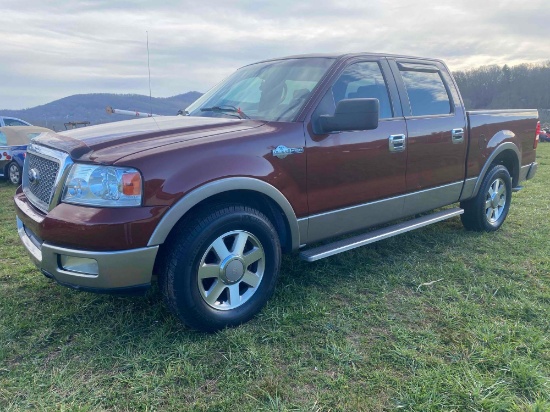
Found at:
<point>105,186</point>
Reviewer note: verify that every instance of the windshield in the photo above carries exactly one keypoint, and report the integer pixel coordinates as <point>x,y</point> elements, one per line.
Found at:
<point>272,91</point>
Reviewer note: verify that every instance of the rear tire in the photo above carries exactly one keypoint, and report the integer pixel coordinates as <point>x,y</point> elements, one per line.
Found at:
<point>487,211</point>
<point>221,268</point>
<point>14,173</point>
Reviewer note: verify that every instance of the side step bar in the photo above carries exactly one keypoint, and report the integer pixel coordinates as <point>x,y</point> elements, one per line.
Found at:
<point>311,255</point>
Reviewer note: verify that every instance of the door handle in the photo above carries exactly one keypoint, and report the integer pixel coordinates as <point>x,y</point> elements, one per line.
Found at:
<point>397,142</point>
<point>457,135</point>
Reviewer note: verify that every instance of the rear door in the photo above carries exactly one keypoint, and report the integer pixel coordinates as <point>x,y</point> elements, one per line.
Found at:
<point>437,133</point>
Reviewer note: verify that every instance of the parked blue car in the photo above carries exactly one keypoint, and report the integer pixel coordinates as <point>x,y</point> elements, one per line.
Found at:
<point>13,148</point>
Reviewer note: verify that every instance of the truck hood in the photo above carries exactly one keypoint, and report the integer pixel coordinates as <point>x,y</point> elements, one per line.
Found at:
<point>109,142</point>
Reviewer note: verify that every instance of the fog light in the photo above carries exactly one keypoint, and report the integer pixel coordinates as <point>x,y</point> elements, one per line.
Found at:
<point>79,265</point>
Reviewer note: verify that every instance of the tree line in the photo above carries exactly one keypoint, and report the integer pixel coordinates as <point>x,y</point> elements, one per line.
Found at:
<point>525,86</point>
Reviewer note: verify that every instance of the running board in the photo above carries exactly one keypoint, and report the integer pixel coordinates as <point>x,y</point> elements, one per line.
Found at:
<point>311,255</point>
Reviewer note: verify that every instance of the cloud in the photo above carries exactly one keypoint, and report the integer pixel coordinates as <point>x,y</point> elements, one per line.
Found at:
<point>56,48</point>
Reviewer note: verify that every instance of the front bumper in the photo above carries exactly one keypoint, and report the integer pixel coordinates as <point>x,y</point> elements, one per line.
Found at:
<point>126,271</point>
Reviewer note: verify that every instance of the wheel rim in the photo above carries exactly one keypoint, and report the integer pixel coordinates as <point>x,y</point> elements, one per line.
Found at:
<point>14,174</point>
<point>495,201</point>
<point>231,270</point>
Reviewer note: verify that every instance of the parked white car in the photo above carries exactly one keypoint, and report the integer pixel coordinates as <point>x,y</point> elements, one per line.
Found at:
<point>12,121</point>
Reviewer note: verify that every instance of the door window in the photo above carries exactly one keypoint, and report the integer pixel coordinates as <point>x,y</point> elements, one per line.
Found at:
<point>358,80</point>
<point>363,80</point>
<point>427,92</point>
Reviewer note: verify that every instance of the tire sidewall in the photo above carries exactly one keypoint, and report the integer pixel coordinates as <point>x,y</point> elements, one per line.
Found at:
<point>190,304</point>
<point>495,173</point>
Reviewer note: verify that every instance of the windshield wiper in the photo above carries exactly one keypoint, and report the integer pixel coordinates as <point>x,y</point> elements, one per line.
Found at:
<point>226,109</point>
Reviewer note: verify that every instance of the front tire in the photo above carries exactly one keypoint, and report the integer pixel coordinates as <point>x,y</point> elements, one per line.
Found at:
<point>14,173</point>
<point>222,267</point>
<point>487,211</point>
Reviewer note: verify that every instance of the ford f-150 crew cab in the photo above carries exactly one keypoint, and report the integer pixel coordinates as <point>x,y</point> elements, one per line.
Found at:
<point>281,155</point>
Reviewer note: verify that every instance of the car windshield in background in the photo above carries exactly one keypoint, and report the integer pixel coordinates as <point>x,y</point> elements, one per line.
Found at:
<point>272,91</point>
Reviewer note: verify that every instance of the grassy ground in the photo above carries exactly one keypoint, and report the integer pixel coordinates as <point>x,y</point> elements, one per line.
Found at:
<point>359,331</point>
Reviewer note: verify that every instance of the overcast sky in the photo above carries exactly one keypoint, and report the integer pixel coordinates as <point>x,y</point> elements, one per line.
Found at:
<point>51,49</point>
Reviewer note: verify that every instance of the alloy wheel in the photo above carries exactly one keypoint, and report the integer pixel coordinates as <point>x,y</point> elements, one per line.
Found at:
<point>14,173</point>
<point>231,270</point>
<point>495,200</point>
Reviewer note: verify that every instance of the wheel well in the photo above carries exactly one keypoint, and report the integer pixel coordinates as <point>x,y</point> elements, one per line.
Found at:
<point>509,160</point>
<point>255,200</point>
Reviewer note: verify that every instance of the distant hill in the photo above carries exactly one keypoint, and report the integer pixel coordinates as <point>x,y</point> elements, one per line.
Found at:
<point>91,107</point>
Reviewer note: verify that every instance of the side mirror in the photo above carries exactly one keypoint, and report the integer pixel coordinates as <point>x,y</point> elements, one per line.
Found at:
<point>352,114</point>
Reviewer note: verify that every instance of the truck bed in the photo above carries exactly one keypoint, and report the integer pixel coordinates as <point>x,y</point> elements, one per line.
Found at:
<point>489,128</point>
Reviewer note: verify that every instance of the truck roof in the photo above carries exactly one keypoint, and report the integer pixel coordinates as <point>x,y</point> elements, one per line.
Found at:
<point>342,56</point>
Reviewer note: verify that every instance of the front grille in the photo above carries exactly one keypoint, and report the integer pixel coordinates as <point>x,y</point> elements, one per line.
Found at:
<point>44,186</point>
<point>43,172</point>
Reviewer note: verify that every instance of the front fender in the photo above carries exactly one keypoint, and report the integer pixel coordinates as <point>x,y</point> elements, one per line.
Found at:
<point>180,208</point>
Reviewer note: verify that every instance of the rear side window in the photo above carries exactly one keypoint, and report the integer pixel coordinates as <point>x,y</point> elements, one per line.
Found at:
<point>427,92</point>
<point>3,140</point>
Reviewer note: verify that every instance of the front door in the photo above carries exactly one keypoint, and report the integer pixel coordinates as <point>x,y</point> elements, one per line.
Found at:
<point>349,173</point>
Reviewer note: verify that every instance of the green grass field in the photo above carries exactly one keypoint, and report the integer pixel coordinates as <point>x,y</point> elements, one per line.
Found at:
<point>359,331</point>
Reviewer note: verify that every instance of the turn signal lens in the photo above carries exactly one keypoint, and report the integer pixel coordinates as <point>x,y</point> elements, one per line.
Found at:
<point>131,184</point>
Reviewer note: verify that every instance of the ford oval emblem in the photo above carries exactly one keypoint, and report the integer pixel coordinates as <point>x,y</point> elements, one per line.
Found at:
<point>33,176</point>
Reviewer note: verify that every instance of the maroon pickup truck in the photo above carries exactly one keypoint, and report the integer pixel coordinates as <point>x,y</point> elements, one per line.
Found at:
<point>281,155</point>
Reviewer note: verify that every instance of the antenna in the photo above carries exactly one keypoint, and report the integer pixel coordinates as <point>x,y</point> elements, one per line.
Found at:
<point>149,69</point>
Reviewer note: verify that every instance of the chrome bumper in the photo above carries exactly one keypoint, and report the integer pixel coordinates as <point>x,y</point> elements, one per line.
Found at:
<point>91,270</point>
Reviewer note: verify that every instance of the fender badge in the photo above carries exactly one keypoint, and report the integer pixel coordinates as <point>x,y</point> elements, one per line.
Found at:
<point>282,151</point>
